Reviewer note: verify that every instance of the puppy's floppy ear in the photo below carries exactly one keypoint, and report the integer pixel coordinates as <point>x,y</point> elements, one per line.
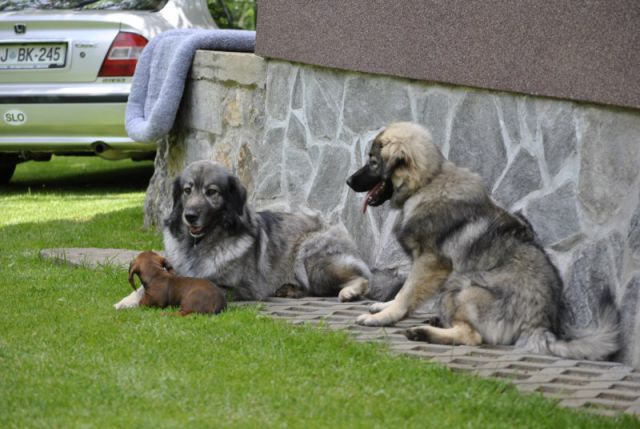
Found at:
<point>134,269</point>
<point>237,195</point>
<point>167,266</point>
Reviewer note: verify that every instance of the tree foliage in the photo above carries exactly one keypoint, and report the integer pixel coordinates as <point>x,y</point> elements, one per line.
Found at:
<point>240,14</point>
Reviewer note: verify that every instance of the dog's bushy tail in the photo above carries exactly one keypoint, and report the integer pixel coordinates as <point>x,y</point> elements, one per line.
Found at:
<point>596,342</point>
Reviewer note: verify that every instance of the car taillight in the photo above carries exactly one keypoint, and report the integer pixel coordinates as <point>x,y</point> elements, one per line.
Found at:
<point>123,55</point>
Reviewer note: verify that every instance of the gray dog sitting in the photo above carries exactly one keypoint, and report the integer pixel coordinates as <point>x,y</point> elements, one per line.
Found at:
<point>494,282</point>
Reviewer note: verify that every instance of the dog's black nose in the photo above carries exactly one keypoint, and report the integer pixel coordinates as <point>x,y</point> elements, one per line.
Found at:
<point>190,217</point>
<point>349,182</point>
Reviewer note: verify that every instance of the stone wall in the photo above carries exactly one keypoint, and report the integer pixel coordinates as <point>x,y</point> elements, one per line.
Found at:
<point>293,133</point>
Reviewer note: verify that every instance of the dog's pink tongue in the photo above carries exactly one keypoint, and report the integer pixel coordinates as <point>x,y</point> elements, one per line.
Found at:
<point>371,193</point>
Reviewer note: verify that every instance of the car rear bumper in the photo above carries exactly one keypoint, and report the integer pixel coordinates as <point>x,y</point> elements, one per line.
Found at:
<point>70,119</point>
<point>36,121</point>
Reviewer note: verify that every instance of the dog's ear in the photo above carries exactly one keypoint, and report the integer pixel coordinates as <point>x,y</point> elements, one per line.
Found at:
<point>177,190</point>
<point>134,268</point>
<point>397,157</point>
<point>236,199</point>
<point>237,195</point>
<point>174,220</point>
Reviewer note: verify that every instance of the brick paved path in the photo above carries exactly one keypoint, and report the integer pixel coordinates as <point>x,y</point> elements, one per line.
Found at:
<point>607,388</point>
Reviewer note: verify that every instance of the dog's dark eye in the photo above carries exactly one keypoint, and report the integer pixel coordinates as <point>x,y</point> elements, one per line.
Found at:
<point>211,192</point>
<point>187,191</point>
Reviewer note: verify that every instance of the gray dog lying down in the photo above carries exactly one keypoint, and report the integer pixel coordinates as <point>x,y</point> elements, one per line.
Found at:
<point>212,233</point>
<point>494,282</point>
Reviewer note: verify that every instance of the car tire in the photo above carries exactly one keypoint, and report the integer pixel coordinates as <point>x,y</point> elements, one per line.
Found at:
<point>7,168</point>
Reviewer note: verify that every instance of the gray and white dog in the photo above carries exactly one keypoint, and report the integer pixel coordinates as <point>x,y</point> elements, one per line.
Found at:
<point>212,233</point>
<point>494,282</point>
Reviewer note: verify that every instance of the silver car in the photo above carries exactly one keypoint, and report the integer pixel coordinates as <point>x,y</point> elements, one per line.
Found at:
<point>65,73</point>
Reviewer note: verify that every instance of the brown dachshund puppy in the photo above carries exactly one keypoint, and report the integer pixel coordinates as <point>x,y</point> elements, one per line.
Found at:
<point>163,288</point>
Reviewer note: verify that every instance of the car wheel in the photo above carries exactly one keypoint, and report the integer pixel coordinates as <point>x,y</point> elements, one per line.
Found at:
<point>7,167</point>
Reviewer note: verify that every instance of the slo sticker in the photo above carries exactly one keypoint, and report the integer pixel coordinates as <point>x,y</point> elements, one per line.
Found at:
<point>14,117</point>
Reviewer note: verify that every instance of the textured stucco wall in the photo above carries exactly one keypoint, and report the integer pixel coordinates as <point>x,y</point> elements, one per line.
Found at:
<point>579,50</point>
<point>293,133</point>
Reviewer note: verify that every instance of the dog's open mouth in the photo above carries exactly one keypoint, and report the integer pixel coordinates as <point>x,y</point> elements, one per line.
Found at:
<point>377,195</point>
<point>196,231</point>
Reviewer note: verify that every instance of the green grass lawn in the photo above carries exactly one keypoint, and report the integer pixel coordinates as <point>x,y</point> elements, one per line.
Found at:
<point>69,360</point>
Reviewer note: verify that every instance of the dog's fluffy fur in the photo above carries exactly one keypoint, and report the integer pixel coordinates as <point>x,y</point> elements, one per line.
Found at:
<point>162,288</point>
<point>212,233</point>
<point>494,281</point>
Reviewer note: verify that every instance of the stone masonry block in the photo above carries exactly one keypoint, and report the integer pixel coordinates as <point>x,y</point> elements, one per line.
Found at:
<point>323,93</point>
<point>235,68</point>
<point>555,216</point>
<point>372,102</point>
<point>522,177</point>
<point>610,162</point>
<point>476,140</point>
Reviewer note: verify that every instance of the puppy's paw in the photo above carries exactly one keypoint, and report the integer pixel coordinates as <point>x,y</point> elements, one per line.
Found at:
<point>377,307</point>
<point>419,333</point>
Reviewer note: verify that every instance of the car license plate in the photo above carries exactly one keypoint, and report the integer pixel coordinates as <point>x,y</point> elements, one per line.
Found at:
<point>33,55</point>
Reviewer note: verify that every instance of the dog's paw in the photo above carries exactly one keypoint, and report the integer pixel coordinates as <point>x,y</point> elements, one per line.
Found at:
<point>353,290</point>
<point>418,333</point>
<point>349,294</point>
<point>290,291</point>
<point>124,305</point>
<point>377,307</point>
<point>127,302</point>
<point>375,320</point>
<point>433,321</point>
<point>366,320</point>
<point>130,301</point>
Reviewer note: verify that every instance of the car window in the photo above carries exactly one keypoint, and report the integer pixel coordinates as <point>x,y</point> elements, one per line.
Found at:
<point>153,5</point>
